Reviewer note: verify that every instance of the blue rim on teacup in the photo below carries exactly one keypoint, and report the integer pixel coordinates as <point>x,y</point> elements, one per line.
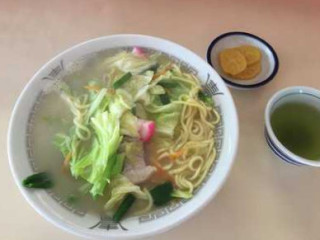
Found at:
<point>288,94</point>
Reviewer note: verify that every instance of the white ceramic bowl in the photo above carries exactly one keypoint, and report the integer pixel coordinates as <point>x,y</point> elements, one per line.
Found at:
<point>297,94</point>
<point>269,59</point>
<point>54,209</point>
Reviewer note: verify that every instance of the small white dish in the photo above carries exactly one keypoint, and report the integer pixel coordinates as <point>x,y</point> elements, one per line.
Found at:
<point>91,225</point>
<point>302,94</point>
<point>269,60</point>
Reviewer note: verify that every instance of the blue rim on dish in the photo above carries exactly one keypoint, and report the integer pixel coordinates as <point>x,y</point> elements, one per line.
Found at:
<point>259,84</point>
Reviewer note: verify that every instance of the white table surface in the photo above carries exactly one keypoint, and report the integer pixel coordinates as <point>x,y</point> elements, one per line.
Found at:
<point>263,197</point>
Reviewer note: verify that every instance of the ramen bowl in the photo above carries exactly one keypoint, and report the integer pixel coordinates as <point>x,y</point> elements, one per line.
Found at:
<point>57,211</point>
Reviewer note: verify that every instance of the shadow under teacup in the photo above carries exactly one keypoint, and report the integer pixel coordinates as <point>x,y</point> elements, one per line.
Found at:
<point>292,125</point>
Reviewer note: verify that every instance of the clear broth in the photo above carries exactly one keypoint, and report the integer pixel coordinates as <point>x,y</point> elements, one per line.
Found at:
<point>53,116</point>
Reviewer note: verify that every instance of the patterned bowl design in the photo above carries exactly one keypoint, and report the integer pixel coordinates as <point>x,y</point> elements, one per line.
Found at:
<point>56,210</point>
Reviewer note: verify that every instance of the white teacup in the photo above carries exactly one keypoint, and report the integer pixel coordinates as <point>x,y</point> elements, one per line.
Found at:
<point>301,94</point>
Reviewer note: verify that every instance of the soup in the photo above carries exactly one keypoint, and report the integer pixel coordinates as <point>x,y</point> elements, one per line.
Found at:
<point>297,127</point>
<point>124,132</point>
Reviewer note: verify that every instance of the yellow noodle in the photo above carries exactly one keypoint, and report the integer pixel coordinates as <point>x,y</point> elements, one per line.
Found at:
<point>195,137</point>
<point>148,206</point>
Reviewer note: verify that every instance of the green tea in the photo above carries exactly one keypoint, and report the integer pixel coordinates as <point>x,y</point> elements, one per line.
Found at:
<point>297,127</point>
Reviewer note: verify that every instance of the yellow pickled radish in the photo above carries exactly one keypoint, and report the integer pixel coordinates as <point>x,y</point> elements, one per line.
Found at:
<point>232,61</point>
<point>252,54</point>
<point>250,72</point>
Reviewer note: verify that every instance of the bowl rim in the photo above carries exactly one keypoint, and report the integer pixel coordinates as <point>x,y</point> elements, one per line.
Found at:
<point>76,231</point>
<point>278,152</point>
<point>264,42</point>
<point>281,94</point>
